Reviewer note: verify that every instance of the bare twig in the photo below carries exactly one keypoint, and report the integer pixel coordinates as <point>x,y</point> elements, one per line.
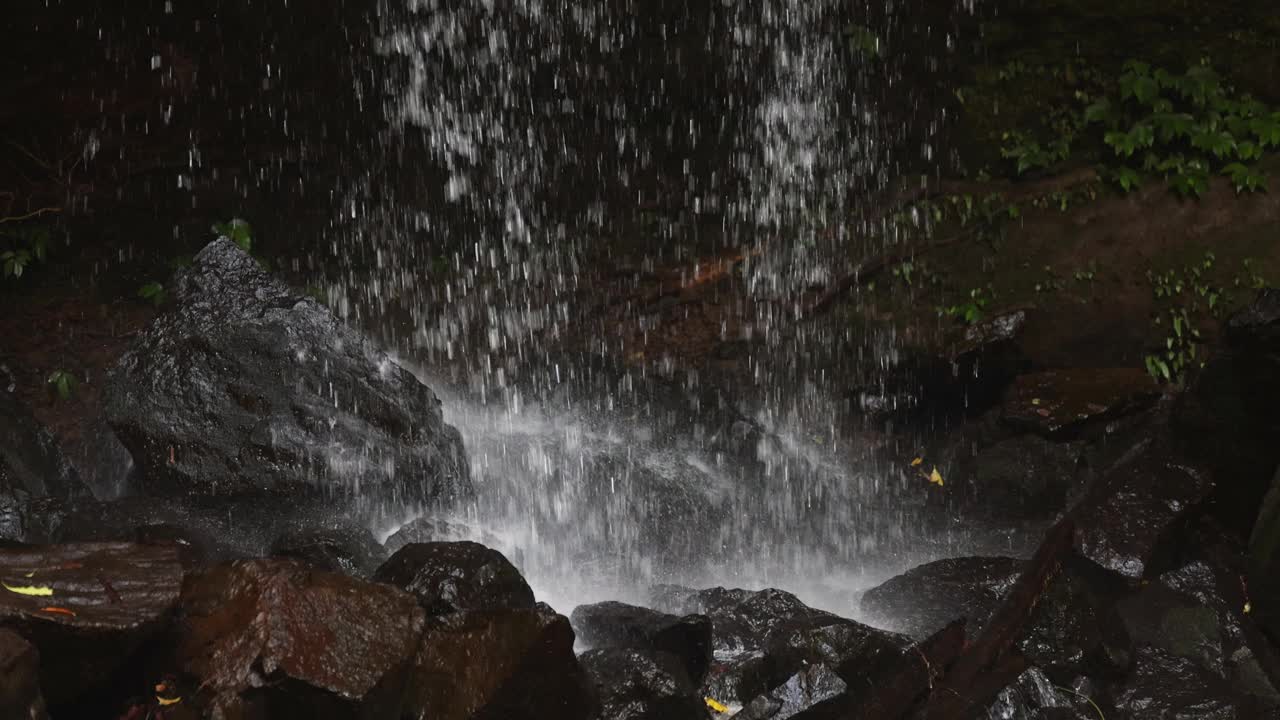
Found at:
<point>33,213</point>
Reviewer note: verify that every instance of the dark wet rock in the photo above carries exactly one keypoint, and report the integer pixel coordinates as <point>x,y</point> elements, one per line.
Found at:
<point>1197,612</point>
<point>20,696</point>
<point>246,386</point>
<point>1163,686</point>
<point>1024,478</point>
<point>116,596</point>
<point>1061,403</point>
<point>812,686</point>
<point>1227,419</point>
<point>349,549</point>
<point>634,685</point>
<point>273,638</point>
<point>30,457</point>
<point>499,665</point>
<point>964,374</point>
<point>1130,521</point>
<point>925,599</point>
<point>1035,697</point>
<point>33,469</point>
<point>1075,629</point>
<point>104,463</point>
<point>447,577</point>
<point>1264,560</point>
<point>615,624</point>
<point>762,638</point>
<point>434,529</point>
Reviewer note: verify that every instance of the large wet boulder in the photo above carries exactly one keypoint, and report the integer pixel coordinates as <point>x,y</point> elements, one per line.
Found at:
<point>925,599</point>
<point>453,576</point>
<point>274,638</point>
<point>802,693</point>
<point>763,638</point>
<point>1074,630</point>
<point>499,665</point>
<point>1227,419</point>
<point>635,685</point>
<point>20,696</point>
<point>87,607</point>
<point>343,548</point>
<point>615,624</point>
<point>246,386</point>
<point>1131,519</point>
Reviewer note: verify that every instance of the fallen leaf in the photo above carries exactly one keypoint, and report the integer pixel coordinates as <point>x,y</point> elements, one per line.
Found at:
<point>917,462</point>
<point>165,702</point>
<point>32,590</point>
<point>935,477</point>
<point>718,707</point>
<point>1035,401</point>
<point>58,611</point>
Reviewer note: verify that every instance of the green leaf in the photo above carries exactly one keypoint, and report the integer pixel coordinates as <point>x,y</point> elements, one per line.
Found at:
<point>1127,178</point>
<point>153,292</point>
<point>1099,111</point>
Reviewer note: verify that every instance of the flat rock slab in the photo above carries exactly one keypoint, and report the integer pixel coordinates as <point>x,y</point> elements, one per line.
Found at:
<point>246,386</point>
<point>86,606</point>
<point>1055,403</point>
<point>270,638</point>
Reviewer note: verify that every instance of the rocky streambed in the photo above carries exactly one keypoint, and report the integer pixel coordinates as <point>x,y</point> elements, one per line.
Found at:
<point>241,580</point>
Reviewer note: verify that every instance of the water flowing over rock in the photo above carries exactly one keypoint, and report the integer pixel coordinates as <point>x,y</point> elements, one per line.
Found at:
<point>247,386</point>
<point>448,577</point>
<point>20,696</point>
<point>615,624</point>
<point>633,685</point>
<point>109,597</point>
<point>499,665</point>
<point>273,638</point>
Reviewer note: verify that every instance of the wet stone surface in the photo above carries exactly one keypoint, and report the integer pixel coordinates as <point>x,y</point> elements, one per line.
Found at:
<point>87,607</point>
<point>264,638</point>
<point>448,577</point>
<point>249,387</point>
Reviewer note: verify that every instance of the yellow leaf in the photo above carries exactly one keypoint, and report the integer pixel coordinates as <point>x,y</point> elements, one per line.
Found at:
<point>165,702</point>
<point>32,590</point>
<point>935,477</point>
<point>1248,608</point>
<point>917,462</point>
<point>718,707</point>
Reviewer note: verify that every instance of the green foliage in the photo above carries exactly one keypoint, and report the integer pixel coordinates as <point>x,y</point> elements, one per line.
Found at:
<point>1184,128</point>
<point>154,293</point>
<point>238,232</point>
<point>22,248</point>
<point>1185,298</point>
<point>62,384</point>
<point>973,309</point>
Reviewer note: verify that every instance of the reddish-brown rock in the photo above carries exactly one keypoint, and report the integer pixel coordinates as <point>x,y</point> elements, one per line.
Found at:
<point>513,664</point>
<point>273,638</point>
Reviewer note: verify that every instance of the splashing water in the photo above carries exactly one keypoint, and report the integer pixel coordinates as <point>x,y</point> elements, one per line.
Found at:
<point>543,141</point>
